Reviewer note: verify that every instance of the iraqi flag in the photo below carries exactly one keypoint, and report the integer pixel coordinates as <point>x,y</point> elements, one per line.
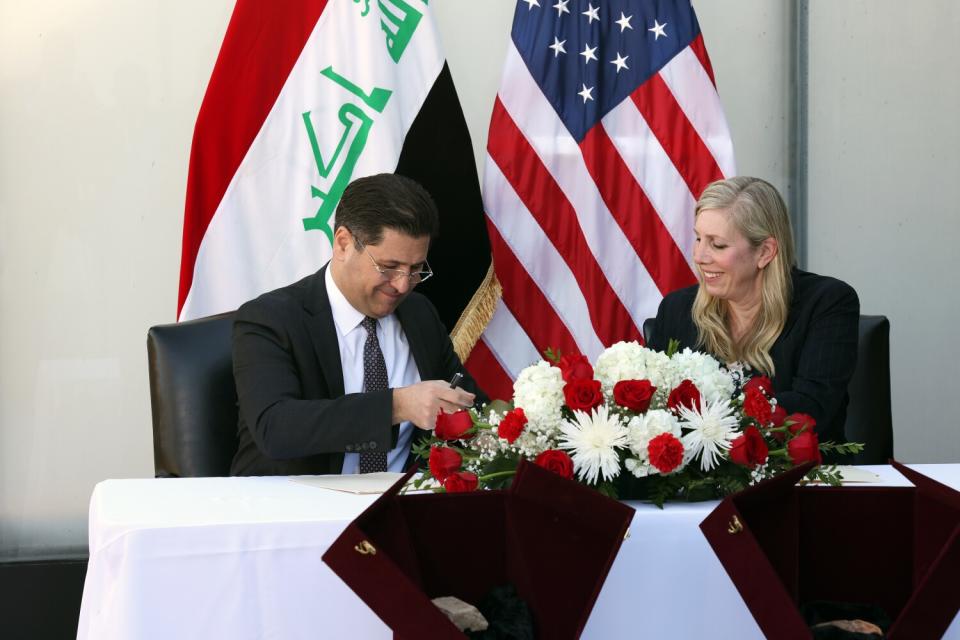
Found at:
<point>306,96</point>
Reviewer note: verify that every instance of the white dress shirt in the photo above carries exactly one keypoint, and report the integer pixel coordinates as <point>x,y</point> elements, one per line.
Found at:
<point>401,368</point>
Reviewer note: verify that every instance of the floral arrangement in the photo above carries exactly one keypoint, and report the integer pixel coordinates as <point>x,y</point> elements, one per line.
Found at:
<point>636,423</point>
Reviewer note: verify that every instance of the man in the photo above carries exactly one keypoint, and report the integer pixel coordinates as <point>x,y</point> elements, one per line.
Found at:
<point>342,371</point>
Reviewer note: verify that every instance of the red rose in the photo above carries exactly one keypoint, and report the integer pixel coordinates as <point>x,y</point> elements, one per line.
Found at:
<point>760,383</point>
<point>800,422</point>
<point>685,395</point>
<point>443,462</point>
<point>795,423</point>
<point>749,449</point>
<point>453,426</point>
<point>804,448</point>
<point>756,405</point>
<point>461,482</point>
<point>557,461</point>
<point>582,395</point>
<point>634,394</point>
<point>512,425</point>
<point>575,368</point>
<point>666,452</point>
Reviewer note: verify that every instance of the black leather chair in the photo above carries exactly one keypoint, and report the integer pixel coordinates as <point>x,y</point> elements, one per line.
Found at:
<point>869,418</point>
<point>648,329</point>
<point>193,397</point>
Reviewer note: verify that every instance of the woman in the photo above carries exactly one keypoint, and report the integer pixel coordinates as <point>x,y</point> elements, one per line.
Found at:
<point>755,307</point>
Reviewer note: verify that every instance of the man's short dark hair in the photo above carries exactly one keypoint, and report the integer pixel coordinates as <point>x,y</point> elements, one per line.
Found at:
<point>386,200</point>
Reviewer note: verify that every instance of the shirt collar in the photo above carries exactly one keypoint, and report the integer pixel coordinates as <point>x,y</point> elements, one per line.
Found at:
<point>345,316</point>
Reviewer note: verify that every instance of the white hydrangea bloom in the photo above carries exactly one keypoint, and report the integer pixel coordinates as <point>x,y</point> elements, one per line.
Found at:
<point>639,468</point>
<point>712,380</point>
<point>643,429</point>
<point>640,431</point>
<point>630,361</point>
<point>538,390</point>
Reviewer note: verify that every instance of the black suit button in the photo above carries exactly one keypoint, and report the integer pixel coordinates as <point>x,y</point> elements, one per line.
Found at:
<point>373,445</point>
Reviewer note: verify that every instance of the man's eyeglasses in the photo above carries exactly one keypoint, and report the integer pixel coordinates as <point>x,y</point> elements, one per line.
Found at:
<point>392,275</point>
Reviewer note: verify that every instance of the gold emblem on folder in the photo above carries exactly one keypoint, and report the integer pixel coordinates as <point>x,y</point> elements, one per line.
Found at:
<point>365,548</point>
<point>735,525</point>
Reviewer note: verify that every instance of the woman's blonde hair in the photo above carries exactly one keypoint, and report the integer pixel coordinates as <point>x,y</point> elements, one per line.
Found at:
<point>756,210</point>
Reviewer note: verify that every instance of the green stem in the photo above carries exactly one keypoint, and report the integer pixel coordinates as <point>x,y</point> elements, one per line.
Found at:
<point>498,474</point>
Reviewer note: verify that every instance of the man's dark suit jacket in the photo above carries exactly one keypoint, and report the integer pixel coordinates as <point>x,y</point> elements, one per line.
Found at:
<point>294,416</point>
<point>814,356</point>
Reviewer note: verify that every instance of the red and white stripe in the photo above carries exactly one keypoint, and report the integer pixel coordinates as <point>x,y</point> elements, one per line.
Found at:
<point>587,238</point>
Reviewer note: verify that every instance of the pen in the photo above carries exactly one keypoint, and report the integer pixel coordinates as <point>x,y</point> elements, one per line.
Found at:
<point>455,380</point>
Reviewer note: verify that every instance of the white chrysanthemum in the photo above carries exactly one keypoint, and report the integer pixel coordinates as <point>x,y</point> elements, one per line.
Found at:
<point>593,441</point>
<point>630,361</point>
<point>713,381</point>
<point>539,392</point>
<point>640,431</point>
<point>711,431</point>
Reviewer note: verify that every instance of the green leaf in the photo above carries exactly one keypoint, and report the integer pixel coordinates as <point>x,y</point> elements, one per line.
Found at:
<point>829,475</point>
<point>700,491</point>
<point>506,462</point>
<point>502,468</point>
<point>422,448</point>
<point>552,355</point>
<point>661,489</point>
<point>727,485</point>
<point>842,448</point>
<point>673,345</point>
<point>608,489</point>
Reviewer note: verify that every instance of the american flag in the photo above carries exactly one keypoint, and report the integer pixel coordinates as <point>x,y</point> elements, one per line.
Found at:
<point>606,128</point>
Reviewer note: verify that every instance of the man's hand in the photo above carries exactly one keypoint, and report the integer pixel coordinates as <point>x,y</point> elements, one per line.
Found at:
<point>420,403</point>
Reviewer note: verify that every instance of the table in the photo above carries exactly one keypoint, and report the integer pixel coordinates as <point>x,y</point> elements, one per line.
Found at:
<point>240,558</point>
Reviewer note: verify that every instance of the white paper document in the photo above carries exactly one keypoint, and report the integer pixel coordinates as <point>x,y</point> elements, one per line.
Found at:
<point>361,483</point>
<point>856,475</point>
<point>850,475</point>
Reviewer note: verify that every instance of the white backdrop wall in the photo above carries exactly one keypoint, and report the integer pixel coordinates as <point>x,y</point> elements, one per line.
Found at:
<point>883,213</point>
<point>97,104</point>
<point>97,108</point>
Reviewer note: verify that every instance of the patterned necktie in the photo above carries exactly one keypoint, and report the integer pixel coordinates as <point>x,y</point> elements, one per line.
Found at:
<point>374,379</point>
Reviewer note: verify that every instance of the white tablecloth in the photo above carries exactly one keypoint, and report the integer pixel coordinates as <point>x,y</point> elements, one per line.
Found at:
<point>240,558</point>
